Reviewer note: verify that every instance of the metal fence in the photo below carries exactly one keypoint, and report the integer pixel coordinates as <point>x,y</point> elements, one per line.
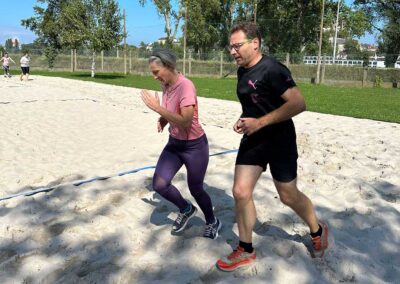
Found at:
<point>219,64</point>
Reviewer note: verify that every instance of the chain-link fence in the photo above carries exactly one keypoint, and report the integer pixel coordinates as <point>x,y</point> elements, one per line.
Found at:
<point>353,70</point>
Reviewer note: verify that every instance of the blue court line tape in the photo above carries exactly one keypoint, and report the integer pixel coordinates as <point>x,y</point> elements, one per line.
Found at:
<point>80,182</point>
<point>225,152</point>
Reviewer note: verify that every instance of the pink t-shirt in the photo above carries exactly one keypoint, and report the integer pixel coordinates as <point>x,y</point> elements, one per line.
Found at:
<point>6,61</point>
<point>182,94</point>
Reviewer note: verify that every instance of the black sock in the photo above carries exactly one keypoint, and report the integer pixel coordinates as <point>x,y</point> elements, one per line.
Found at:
<point>248,247</point>
<point>317,233</point>
<point>187,209</point>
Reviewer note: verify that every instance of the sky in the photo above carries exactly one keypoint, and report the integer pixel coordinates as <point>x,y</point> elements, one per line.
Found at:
<point>143,23</point>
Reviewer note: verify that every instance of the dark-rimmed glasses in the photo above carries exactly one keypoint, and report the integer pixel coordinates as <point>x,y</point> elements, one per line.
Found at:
<point>238,45</point>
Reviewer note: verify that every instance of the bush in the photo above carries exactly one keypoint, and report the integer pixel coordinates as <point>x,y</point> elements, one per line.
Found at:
<point>378,81</point>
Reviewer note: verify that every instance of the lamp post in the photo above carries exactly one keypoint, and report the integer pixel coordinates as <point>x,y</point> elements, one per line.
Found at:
<point>255,12</point>
<point>320,40</point>
<point>336,30</point>
<point>184,38</point>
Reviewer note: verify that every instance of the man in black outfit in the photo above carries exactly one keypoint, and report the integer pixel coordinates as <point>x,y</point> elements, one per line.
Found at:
<point>269,99</point>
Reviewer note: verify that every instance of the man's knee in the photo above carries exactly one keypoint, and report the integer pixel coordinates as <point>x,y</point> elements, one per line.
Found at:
<point>242,193</point>
<point>288,198</point>
<point>288,192</point>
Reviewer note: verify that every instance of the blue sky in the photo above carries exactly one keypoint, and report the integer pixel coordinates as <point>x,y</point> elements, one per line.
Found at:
<point>143,23</point>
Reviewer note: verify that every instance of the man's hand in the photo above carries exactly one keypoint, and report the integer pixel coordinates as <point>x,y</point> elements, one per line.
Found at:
<point>249,125</point>
<point>237,127</point>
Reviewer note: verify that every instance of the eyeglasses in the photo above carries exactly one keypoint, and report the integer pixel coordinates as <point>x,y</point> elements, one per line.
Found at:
<point>237,46</point>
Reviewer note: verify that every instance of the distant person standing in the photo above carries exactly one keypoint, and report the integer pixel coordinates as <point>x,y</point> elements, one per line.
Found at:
<point>25,61</point>
<point>6,65</point>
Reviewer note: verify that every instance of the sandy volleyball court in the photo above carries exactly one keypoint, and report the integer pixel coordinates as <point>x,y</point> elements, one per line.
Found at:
<point>56,131</point>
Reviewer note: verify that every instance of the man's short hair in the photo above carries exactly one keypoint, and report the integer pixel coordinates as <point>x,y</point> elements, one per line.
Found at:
<point>250,29</point>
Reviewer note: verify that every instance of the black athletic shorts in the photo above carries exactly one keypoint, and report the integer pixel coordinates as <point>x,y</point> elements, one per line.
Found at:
<point>25,70</point>
<point>278,150</point>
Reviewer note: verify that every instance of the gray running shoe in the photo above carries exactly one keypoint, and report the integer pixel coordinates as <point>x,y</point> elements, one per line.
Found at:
<point>211,230</point>
<point>183,218</point>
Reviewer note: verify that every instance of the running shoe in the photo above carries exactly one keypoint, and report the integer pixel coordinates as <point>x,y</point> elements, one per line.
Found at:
<point>236,259</point>
<point>320,243</point>
<point>183,218</point>
<point>211,230</point>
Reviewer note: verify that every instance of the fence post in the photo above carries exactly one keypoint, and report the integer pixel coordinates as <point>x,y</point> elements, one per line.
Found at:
<point>190,62</point>
<point>130,60</point>
<point>323,69</point>
<point>287,59</point>
<point>221,65</point>
<point>76,60</point>
<point>72,60</point>
<point>102,60</point>
<point>364,79</point>
<point>125,59</point>
<point>117,52</point>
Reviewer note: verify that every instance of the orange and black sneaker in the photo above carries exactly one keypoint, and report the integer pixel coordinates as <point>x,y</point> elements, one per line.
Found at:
<point>321,243</point>
<point>236,259</point>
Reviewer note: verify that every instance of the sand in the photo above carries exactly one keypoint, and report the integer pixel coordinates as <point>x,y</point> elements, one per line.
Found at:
<point>56,131</point>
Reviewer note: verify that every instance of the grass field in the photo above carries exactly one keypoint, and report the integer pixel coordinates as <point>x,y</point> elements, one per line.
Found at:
<point>370,103</point>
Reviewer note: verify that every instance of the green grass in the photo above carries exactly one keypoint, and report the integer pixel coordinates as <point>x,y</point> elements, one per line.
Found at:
<point>369,103</point>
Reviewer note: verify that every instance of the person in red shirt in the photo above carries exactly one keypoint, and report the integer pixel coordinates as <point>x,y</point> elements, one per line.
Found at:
<point>187,144</point>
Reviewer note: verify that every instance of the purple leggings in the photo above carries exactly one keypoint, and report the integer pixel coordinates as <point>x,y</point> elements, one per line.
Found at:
<point>194,155</point>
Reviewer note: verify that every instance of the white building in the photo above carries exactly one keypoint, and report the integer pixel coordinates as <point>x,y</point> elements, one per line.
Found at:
<point>340,42</point>
<point>374,61</point>
<point>313,60</point>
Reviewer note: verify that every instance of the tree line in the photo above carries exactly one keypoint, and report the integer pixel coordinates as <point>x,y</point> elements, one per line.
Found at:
<point>287,26</point>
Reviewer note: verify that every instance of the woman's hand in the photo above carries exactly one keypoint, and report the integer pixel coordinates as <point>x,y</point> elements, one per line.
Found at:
<point>161,124</point>
<point>150,100</point>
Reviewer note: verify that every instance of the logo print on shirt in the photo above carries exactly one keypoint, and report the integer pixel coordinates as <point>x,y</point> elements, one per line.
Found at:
<point>252,84</point>
<point>255,98</point>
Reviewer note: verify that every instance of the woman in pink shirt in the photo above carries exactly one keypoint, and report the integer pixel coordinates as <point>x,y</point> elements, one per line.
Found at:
<point>187,144</point>
<point>6,64</point>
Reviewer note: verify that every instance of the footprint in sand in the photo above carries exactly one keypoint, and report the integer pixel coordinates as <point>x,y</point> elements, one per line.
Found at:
<point>283,248</point>
<point>56,229</point>
<point>366,194</point>
<point>215,275</point>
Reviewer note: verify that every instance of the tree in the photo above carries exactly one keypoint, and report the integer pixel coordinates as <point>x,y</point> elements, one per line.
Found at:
<point>389,44</point>
<point>387,12</point>
<point>95,24</point>
<point>9,44</point>
<point>75,16</point>
<point>105,29</point>
<point>352,49</point>
<point>35,45</point>
<point>171,16</point>
<point>203,33</point>
<point>46,25</point>
<point>289,26</point>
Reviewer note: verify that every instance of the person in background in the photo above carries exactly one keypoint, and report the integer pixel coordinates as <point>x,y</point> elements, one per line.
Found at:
<point>6,65</point>
<point>25,61</point>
